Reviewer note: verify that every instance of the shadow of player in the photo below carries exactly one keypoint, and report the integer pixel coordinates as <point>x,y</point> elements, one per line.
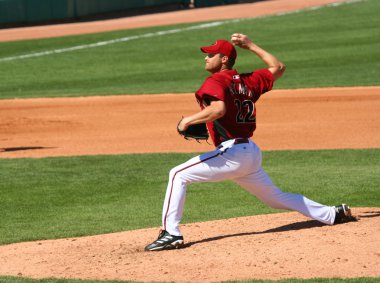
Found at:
<point>308,224</point>
<point>289,227</point>
<point>11,149</point>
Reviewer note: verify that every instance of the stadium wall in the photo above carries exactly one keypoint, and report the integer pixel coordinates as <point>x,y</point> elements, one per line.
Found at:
<point>32,12</point>
<point>27,12</point>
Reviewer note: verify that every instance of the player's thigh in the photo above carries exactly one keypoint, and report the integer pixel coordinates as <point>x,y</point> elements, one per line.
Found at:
<point>260,184</point>
<point>208,167</point>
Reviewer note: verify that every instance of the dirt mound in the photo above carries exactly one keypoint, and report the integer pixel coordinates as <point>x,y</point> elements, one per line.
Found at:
<point>283,245</point>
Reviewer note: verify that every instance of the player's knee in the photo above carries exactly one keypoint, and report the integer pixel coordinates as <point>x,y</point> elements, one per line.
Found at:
<point>172,173</point>
<point>177,174</point>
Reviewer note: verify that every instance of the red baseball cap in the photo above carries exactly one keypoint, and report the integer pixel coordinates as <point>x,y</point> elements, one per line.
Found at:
<point>221,46</point>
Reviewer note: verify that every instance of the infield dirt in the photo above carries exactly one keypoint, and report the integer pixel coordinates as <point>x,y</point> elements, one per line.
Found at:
<point>287,119</point>
<point>284,245</point>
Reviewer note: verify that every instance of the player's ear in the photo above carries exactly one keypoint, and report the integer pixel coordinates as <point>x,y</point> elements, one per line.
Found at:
<point>224,59</point>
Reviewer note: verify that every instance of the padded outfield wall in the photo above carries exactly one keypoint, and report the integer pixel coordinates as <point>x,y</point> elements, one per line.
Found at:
<point>27,12</point>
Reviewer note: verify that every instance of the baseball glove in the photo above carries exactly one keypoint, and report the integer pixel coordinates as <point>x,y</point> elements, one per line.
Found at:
<point>197,132</point>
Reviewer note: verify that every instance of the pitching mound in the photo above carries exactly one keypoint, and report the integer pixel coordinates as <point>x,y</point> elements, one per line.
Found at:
<point>283,245</point>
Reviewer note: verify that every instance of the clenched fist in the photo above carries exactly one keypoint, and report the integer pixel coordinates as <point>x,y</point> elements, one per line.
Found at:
<point>241,40</point>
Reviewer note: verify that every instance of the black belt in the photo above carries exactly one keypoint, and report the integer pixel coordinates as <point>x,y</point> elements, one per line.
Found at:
<point>238,141</point>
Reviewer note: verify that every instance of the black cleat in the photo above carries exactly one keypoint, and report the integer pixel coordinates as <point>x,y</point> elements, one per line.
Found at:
<point>165,241</point>
<point>343,214</point>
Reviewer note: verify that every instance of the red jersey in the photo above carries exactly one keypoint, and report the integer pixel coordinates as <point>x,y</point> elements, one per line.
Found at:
<point>239,93</point>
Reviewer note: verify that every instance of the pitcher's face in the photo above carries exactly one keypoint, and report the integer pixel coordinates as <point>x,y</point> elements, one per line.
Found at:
<point>213,63</point>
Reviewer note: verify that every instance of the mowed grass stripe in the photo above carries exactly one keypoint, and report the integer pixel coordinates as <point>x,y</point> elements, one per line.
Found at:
<point>66,197</point>
<point>331,46</point>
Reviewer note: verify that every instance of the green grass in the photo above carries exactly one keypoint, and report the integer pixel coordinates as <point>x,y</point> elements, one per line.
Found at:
<point>316,280</point>
<point>65,197</point>
<point>331,46</point>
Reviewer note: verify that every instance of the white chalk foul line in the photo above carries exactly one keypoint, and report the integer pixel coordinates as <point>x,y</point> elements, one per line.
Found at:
<point>160,33</point>
<point>113,41</point>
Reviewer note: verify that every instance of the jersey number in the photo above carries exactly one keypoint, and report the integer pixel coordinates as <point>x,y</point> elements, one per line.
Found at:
<point>247,118</point>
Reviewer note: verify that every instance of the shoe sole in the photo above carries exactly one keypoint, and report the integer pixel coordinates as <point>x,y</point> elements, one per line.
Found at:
<point>175,245</point>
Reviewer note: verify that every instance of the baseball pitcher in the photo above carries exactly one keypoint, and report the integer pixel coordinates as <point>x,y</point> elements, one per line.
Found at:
<point>227,102</point>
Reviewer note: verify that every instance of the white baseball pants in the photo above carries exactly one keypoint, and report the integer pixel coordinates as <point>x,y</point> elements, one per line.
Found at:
<point>240,163</point>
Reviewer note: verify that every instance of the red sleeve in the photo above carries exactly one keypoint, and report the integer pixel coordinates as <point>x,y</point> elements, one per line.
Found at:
<point>212,88</point>
<point>259,82</point>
